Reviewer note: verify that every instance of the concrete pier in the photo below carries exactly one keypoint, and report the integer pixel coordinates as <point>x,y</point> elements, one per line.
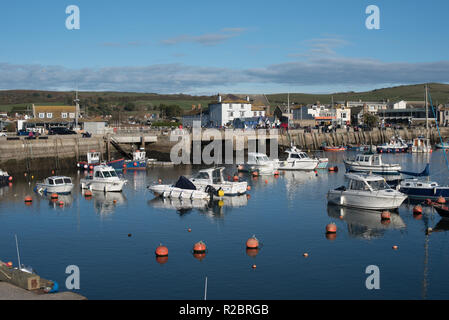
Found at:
<point>11,292</point>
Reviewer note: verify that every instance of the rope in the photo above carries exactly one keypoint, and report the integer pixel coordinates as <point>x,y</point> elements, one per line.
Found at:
<point>439,133</point>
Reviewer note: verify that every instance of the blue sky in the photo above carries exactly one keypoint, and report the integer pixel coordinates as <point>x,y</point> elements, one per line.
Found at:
<point>204,47</point>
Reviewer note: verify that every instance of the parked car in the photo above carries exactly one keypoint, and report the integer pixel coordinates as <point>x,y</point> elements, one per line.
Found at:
<point>60,130</point>
<point>22,133</point>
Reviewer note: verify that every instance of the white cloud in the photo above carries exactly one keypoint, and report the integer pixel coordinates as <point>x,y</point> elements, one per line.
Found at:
<point>207,39</point>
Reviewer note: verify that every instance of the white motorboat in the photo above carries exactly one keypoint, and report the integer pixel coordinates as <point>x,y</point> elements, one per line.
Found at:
<point>104,178</point>
<point>4,177</point>
<point>396,144</point>
<point>297,160</point>
<point>421,145</point>
<point>373,163</point>
<point>214,177</point>
<point>258,162</point>
<point>182,189</point>
<point>55,184</point>
<point>366,191</point>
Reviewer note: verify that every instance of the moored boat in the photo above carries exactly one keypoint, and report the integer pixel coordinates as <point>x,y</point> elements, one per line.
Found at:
<point>297,160</point>
<point>419,189</point>
<point>93,159</point>
<point>334,149</point>
<point>258,162</point>
<point>366,191</point>
<point>104,178</point>
<point>55,184</point>
<point>5,178</point>
<point>182,189</point>
<point>139,161</point>
<point>214,177</point>
<point>421,145</point>
<point>396,145</point>
<point>442,145</point>
<point>369,162</point>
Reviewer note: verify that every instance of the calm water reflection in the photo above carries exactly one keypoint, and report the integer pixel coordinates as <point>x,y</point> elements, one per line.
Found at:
<point>287,213</point>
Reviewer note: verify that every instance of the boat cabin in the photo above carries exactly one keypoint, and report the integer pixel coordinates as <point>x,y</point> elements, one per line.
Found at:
<point>369,159</point>
<point>139,155</point>
<point>213,175</point>
<point>365,182</point>
<point>257,158</point>
<point>93,157</point>
<point>103,172</point>
<point>415,183</point>
<point>297,155</point>
<point>57,180</point>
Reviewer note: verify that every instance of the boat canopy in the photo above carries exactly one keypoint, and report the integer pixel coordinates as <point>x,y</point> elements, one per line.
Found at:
<point>364,177</point>
<point>184,183</point>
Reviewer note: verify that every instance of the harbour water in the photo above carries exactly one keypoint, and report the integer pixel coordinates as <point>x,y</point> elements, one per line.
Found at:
<point>113,242</point>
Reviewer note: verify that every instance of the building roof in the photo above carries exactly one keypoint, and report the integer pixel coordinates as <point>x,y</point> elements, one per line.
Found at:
<point>54,108</point>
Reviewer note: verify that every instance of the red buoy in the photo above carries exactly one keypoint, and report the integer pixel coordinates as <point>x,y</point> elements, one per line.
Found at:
<point>441,200</point>
<point>417,209</point>
<point>88,193</point>
<point>199,247</point>
<point>161,251</point>
<point>331,228</point>
<point>248,188</point>
<point>385,215</point>
<point>61,203</point>
<point>28,199</point>
<point>9,178</point>
<point>236,178</point>
<point>54,196</point>
<point>252,243</point>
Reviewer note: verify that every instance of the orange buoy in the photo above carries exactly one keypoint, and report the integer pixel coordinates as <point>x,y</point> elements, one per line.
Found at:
<point>189,230</point>
<point>248,196</point>
<point>91,167</point>
<point>9,178</point>
<point>52,171</point>
<point>276,173</point>
<point>88,193</point>
<point>305,254</point>
<point>252,243</point>
<point>252,252</point>
<point>199,247</point>
<point>161,251</point>
<point>385,215</point>
<point>114,201</point>
<point>441,200</point>
<point>124,166</point>
<point>9,264</point>
<point>417,209</point>
<point>266,181</point>
<point>236,178</point>
<point>54,196</point>
<point>28,199</point>
<point>254,266</point>
<point>248,188</point>
<point>61,203</point>
<point>395,247</point>
<point>331,228</point>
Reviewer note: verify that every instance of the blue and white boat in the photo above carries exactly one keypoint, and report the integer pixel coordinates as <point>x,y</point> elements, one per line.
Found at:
<point>418,189</point>
<point>396,145</point>
<point>139,161</point>
<point>444,145</point>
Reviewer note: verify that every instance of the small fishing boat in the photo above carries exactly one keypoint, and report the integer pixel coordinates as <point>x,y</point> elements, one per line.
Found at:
<point>138,162</point>
<point>369,162</point>
<point>258,162</point>
<point>182,189</point>
<point>55,184</point>
<point>421,145</point>
<point>104,178</point>
<point>334,149</point>
<point>297,160</point>
<point>5,178</point>
<point>214,177</point>
<point>418,189</point>
<point>93,159</point>
<point>366,191</point>
<point>396,145</point>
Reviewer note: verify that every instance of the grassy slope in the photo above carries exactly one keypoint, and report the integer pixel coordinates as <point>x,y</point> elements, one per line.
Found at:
<point>19,99</point>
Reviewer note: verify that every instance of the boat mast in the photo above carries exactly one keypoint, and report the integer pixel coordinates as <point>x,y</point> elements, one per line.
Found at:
<point>288,110</point>
<point>427,114</point>
<point>18,255</point>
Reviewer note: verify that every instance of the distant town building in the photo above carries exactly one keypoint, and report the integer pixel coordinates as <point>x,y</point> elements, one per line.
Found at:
<point>59,114</point>
<point>229,108</point>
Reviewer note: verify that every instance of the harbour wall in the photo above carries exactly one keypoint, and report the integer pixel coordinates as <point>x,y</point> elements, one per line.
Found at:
<point>62,152</point>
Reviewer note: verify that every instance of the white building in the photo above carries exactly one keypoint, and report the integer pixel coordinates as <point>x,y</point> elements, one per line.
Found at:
<point>225,111</point>
<point>400,105</point>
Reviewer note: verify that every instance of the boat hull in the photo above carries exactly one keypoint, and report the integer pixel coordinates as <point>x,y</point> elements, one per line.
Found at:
<point>135,165</point>
<point>381,169</point>
<point>229,188</point>
<point>105,186</point>
<point>65,189</point>
<point>168,191</point>
<point>426,193</point>
<point>307,164</point>
<point>366,200</point>
<point>116,164</point>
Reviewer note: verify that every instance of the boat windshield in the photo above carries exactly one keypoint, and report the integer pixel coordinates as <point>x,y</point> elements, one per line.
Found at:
<point>202,175</point>
<point>113,173</point>
<point>67,180</point>
<point>59,181</point>
<point>262,158</point>
<point>378,185</point>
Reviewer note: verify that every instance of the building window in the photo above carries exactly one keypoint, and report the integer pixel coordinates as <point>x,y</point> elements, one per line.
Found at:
<point>243,106</point>
<point>255,113</point>
<point>71,115</point>
<point>64,115</point>
<point>242,113</point>
<point>49,115</point>
<point>231,114</point>
<point>41,115</point>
